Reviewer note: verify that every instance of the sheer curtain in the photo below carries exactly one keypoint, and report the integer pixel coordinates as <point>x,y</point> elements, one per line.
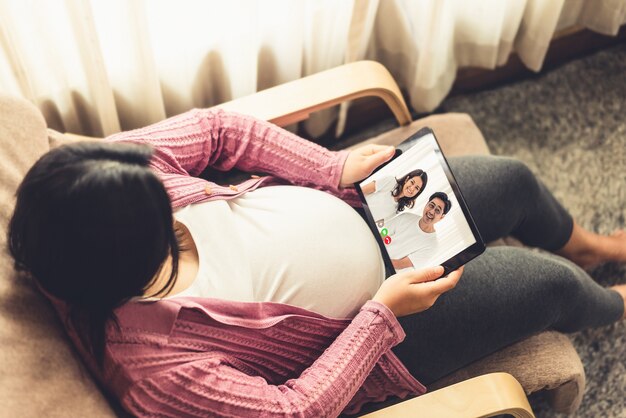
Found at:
<point>98,66</point>
<point>103,65</point>
<point>423,42</point>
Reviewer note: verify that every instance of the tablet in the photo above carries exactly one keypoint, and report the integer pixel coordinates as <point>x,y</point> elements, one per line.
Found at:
<point>416,210</point>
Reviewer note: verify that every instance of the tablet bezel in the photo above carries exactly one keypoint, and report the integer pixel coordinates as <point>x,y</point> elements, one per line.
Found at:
<point>455,261</point>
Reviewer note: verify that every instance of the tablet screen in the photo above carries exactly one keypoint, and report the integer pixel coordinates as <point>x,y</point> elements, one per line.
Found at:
<point>416,208</point>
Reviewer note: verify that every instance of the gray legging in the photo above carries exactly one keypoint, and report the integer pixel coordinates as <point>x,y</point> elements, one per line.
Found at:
<point>507,293</point>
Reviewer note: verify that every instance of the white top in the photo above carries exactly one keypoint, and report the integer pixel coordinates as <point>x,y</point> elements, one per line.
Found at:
<point>408,239</point>
<point>286,244</point>
<point>381,203</point>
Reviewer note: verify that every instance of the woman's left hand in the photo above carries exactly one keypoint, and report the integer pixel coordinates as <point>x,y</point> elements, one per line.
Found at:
<point>362,161</point>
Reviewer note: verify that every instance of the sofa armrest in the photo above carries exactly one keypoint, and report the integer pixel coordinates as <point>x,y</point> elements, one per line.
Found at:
<point>296,100</point>
<point>483,396</point>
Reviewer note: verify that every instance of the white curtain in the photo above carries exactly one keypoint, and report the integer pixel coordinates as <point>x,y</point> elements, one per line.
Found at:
<point>423,42</point>
<point>103,65</point>
<point>98,66</point>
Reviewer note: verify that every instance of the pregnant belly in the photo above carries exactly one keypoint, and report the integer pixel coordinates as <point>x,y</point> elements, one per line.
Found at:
<point>291,245</point>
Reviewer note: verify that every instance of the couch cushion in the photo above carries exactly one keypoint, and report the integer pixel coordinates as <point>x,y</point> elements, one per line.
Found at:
<point>546,361</point>
<point>40,374</point>
<point>456,133</point>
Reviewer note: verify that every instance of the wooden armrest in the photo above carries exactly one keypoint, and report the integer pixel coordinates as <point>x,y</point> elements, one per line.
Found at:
<point>483,396</point>
<point>296,100</point>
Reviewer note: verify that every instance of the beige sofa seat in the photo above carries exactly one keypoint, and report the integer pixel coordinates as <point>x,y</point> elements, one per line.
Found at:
<point>40,374</point>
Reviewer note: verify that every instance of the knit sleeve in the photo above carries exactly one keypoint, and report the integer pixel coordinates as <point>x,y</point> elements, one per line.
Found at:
<point>202,387</point>
<point>188,143</point>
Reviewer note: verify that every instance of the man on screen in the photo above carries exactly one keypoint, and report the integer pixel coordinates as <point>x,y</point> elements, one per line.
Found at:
<point>414,238</point>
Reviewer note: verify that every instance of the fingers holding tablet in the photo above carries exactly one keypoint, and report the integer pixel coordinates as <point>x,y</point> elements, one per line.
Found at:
<point>417,290</point>
<point>362,161</point>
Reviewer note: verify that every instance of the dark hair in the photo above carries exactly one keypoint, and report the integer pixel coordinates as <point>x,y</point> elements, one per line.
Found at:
<point>408,202</point>
<point>93,226</point>
<point>447,204</point>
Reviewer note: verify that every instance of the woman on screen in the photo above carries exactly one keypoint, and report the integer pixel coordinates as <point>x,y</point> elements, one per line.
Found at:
<point>389,196</point>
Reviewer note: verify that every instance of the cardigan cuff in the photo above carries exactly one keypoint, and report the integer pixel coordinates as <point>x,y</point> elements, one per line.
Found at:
<point>337,170</point>
<point>385,313</point>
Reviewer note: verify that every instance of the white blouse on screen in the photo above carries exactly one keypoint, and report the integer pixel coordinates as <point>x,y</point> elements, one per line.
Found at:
<point>381,204</point>
<point>408,240</point>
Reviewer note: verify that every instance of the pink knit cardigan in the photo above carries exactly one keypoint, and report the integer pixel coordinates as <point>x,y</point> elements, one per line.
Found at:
<point>205,357</point>
<point>185,145</point>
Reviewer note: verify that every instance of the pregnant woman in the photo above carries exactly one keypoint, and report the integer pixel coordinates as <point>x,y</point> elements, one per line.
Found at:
<point>268,298</point>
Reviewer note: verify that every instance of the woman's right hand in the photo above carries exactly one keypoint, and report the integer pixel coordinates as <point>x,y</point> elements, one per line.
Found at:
<point>415,291</point>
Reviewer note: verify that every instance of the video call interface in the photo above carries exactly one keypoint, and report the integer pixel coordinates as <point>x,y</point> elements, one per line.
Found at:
<point>431,228</point>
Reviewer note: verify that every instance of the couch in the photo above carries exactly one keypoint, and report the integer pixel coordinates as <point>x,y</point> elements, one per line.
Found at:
<point>41,375</point>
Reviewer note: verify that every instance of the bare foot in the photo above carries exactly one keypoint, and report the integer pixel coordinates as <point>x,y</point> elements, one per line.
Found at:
<point>621,289</point>
<point>588,249</point>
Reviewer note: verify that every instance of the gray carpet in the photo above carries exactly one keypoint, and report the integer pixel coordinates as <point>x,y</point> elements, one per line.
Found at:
<point>569,126</point>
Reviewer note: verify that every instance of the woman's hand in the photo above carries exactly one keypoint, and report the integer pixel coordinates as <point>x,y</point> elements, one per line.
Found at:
<point>362,161</point>
<point>415,291</point>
